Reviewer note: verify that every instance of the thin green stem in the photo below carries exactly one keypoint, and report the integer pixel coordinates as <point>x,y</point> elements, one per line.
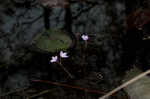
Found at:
<point>60,64</point>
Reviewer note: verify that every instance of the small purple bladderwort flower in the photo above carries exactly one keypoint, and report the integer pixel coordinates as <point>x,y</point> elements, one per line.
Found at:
<point>63,54</point>
<point>85,37</point>
<point>54,59</point>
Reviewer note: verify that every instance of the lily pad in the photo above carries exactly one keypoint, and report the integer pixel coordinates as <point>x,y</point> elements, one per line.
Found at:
<point>53,40</point>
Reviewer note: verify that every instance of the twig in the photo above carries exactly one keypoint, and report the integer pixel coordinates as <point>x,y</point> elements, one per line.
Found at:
<point>69,86</point>
<point>13,91</point>
<point>125,84</point>
<point>41,93</point>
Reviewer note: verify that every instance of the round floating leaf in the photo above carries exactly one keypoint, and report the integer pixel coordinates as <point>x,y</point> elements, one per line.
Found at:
<point>52,41</point>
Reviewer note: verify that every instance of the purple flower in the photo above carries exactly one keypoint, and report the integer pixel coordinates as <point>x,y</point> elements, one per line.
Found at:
<point>63,54</point>
<point>85,37</point>
<point>54,59</point>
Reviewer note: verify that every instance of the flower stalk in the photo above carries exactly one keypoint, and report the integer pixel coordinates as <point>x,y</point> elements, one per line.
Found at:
<point>58,61</point>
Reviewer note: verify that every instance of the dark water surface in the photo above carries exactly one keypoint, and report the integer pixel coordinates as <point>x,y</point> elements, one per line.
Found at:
<point>113,47</point>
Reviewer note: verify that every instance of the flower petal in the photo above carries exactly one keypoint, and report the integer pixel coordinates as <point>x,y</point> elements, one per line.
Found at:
<point>63,54</point>
<point>54,59</point>
<point>85,37</point>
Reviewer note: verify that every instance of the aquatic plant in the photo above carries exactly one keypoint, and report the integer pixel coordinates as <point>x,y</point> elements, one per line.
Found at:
<point>62,54</point>
<point>52,40</point>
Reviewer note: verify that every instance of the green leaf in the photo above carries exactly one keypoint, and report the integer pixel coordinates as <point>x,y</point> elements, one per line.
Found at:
<point>53,40</point>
